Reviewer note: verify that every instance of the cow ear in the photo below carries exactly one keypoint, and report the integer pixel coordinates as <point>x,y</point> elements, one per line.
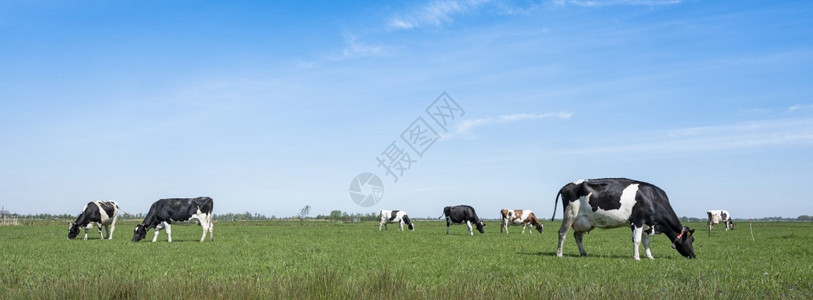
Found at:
<point>691,232</point>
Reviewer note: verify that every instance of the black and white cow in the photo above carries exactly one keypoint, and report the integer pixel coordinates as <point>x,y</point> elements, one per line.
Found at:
<point>165,211</point>
<point>395,216</point>
<point>619,202</point>
<point>720,216</point>
<point>462,214</point>
<point>96,213</point>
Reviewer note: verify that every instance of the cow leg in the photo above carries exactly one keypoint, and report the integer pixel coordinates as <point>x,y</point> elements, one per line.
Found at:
<point>524,226</point>
<point>579,235</point>
<point>567,222</point>
<point>204,225</point>
<point>645,239</point>
<point>380,225</point>
<point>86,233</point>
<point>401,226</point>
<point>471,232</point>
<point>99,228</point>
<point>157,230</point>
<point>562,234</point>
<point>211,229</point>
<point>106,230</point>
<point>447,226</point>
<point>504,225</point>
<point>169,232</point>
<point>112,228</point>
<point>636,241</point>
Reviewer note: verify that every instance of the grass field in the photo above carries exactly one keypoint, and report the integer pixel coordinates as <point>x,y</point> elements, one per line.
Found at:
<point>355,260</point>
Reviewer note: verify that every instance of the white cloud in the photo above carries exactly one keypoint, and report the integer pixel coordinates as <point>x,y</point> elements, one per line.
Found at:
<point>467,126</point>
<point>434,13</point>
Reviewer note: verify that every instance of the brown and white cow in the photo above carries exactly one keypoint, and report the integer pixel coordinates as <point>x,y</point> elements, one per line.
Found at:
<point>524,217</point>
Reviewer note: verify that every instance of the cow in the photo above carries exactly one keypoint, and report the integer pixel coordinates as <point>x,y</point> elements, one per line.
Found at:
<point>165,211</point>
<point>395,216</point>
<point>619,202</point>
<point>462,214</point>
<point>524,217</point>
<point>96,213</point>
<point>720,216</point>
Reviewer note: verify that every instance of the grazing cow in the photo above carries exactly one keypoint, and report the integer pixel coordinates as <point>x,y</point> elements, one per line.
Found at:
<point>395,216</point>
<point>165,211</point>
<point>720,216</point>
<point>524,217</point>
<point>619,202</point>
<point>462,214</point>
<point>97,213</point>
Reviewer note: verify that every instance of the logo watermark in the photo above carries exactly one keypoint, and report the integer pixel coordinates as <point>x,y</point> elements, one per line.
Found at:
<point>366,189</point>
<point>419,136</point>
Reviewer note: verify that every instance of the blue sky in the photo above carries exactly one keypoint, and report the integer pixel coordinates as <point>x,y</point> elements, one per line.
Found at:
<point>271,106</point>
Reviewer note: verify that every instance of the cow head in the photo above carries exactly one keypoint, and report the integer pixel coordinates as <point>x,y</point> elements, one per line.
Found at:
<point>683,242</point>
<point>73,230</point>
<point>139,233</point>
<point>539,227</point>
<point>408,222</point>
<point>480,226</point>
<point>730,224</point>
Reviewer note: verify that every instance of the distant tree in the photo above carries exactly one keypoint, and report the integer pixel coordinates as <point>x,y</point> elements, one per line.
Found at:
<point>303,213</point>
<point>336,215</point>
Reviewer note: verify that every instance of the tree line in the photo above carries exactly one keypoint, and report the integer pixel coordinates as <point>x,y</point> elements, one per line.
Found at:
<point>802,218</point>
<point>335,215</point>
<point>338,215</point>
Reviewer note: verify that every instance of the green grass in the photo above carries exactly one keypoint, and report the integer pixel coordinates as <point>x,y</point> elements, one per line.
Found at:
<point>329,260</point>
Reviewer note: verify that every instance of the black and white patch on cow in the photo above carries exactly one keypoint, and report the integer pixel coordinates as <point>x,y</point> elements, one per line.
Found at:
<point>462,214</point>
<point>96,213</point>
<point>720,216</point>
<point>620,202</point>
<point>165,211</point>
<point>524,217</point>
<point>395,216</point>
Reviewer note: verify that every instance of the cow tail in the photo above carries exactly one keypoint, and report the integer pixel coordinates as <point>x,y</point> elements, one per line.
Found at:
<point>555,204</point>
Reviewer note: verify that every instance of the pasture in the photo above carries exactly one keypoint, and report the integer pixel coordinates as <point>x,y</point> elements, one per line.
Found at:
<point>355,260</point>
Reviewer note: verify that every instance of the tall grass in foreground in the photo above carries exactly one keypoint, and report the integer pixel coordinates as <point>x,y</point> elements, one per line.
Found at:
<point>329,260</point>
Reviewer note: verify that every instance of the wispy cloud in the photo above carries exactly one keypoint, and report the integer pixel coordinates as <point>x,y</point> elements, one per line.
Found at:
<point>599,3</point>
<point>714,138</point>
<point>466,126</point>
<point>799,108</point>
<point>434,13</point>
<point>355,48</point>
